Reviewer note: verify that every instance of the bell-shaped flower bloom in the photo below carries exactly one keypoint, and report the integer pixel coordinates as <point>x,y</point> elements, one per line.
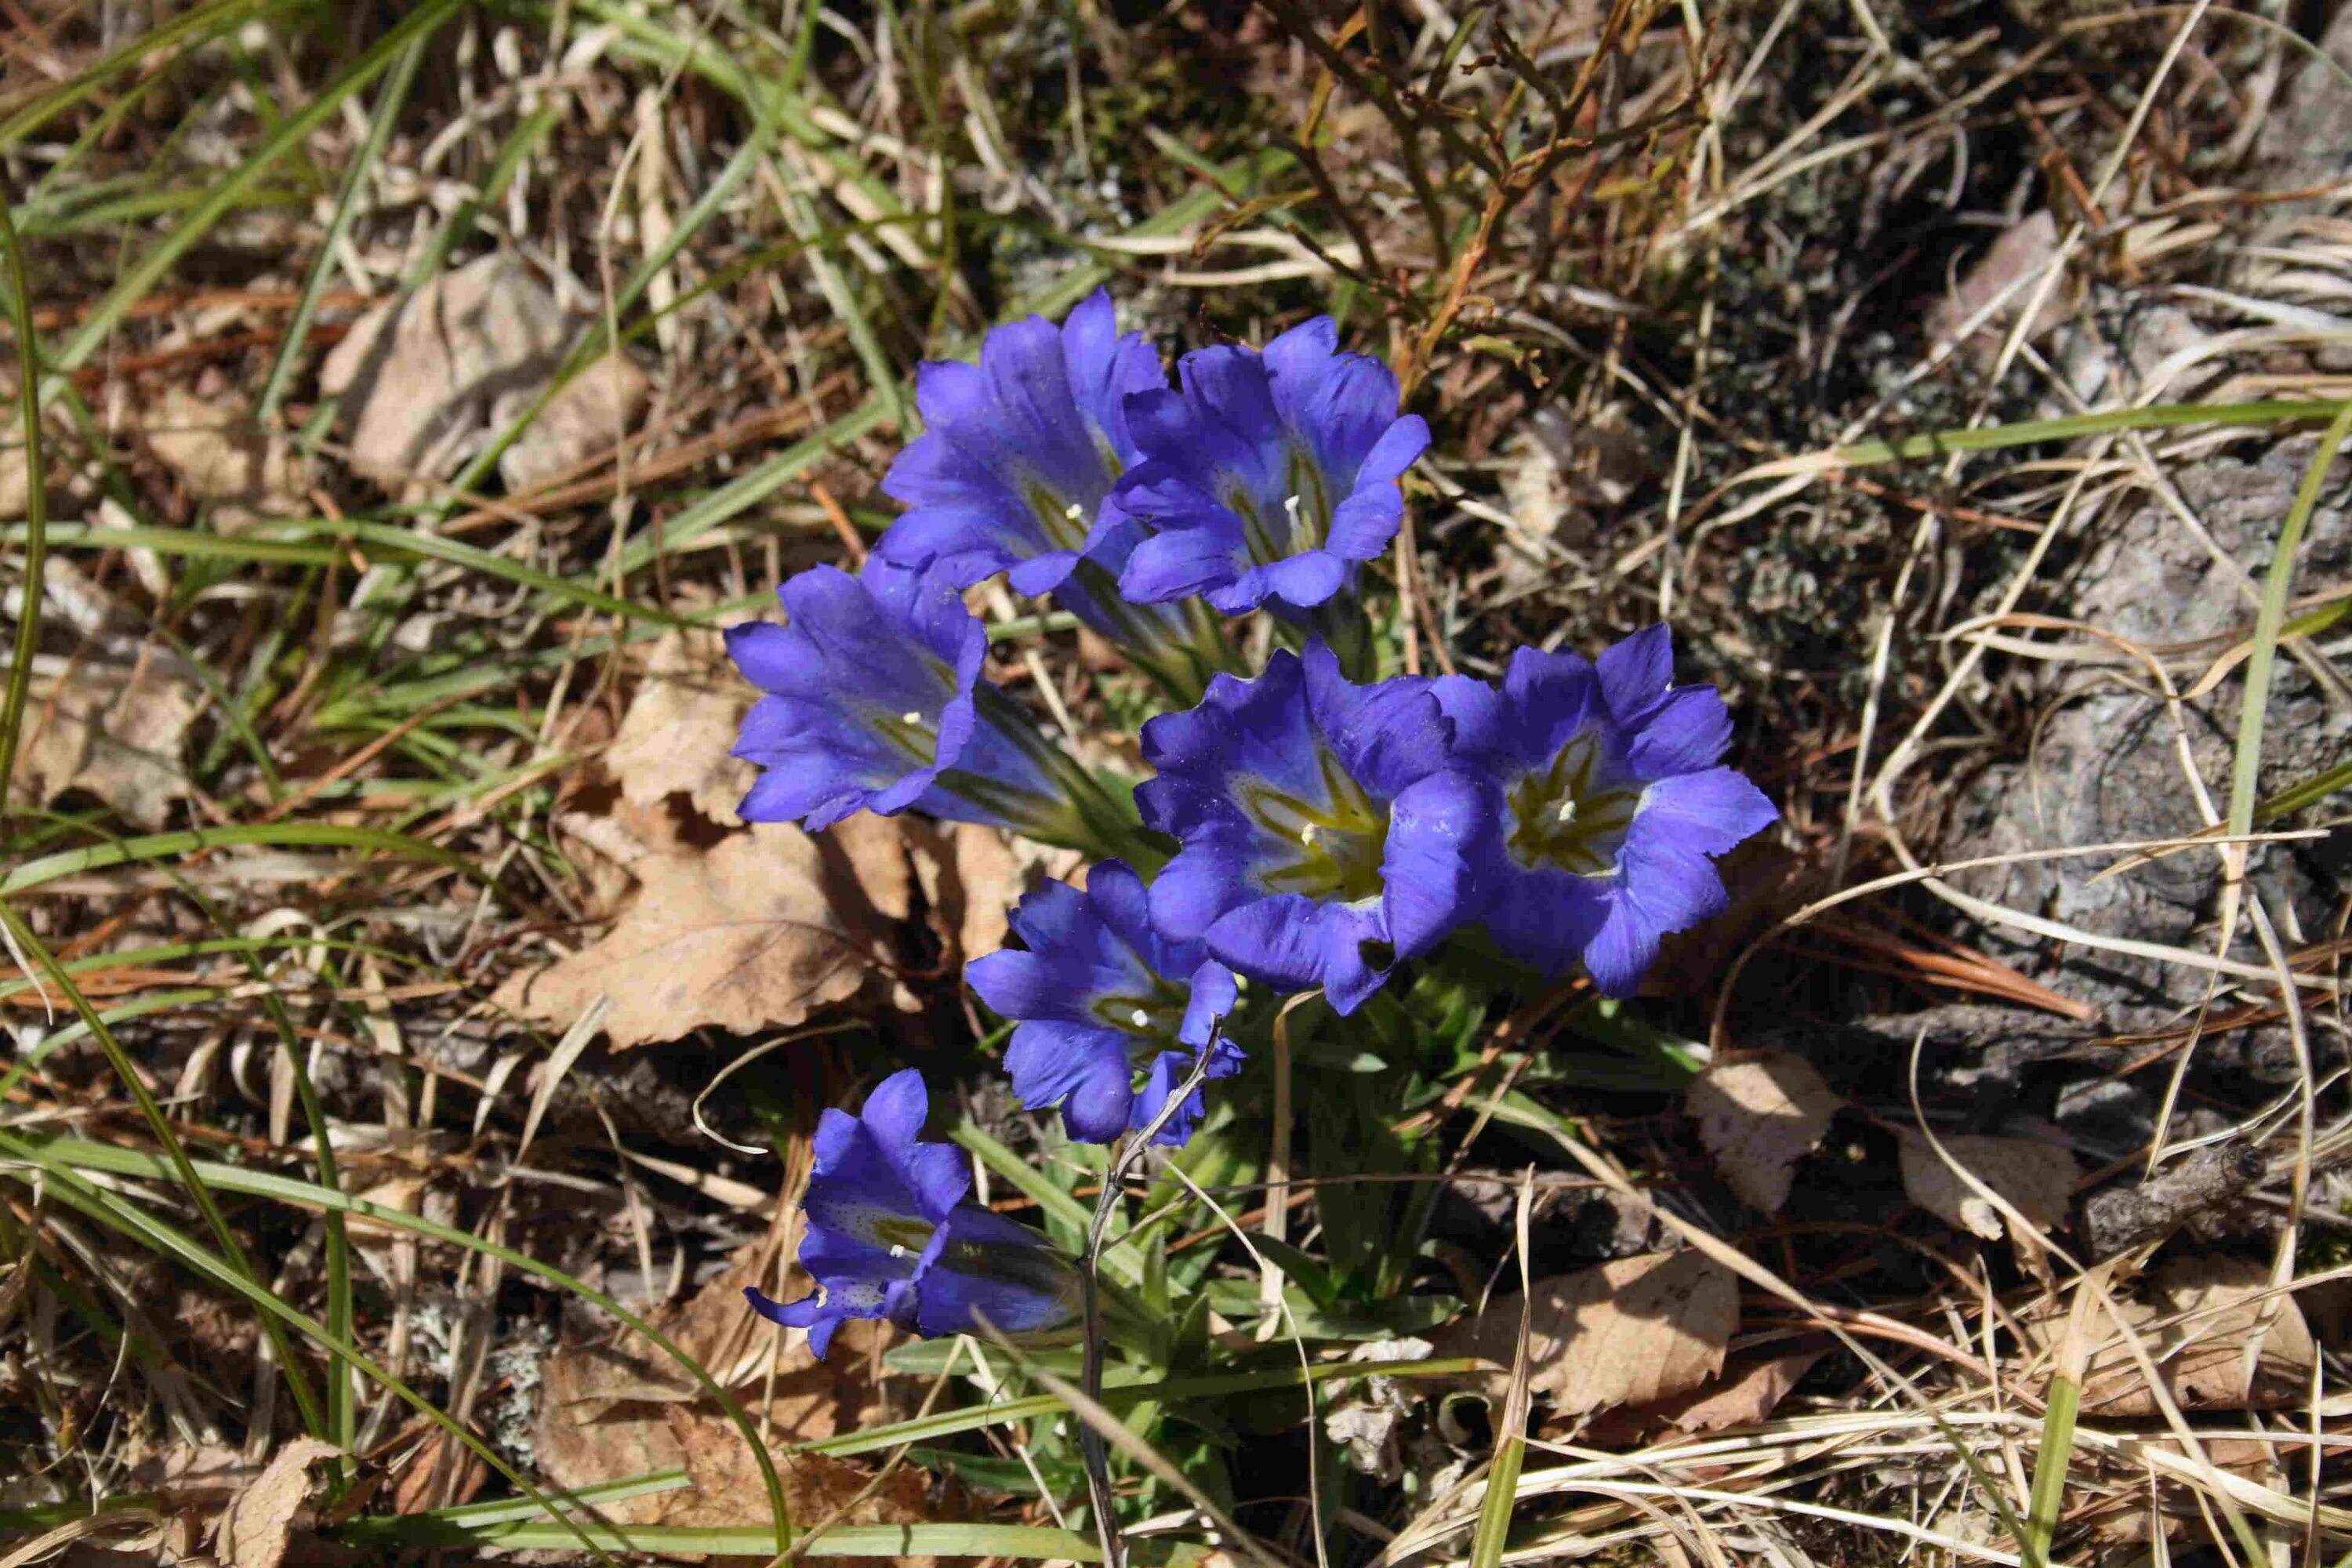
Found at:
<point>874,703</point>
<point>1613,805</point>
<point>1019,452</point>
<point>1270,476</point>
<point>1100,997</point>
<point>890,1236</point>
<point>1325,829</point>
<point>1015,473</point>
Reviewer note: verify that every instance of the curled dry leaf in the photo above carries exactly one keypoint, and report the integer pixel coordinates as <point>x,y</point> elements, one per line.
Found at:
<point>231,467</point>
<point>1758,1116</point>
<point>971,876</point>
<point>259,1525</point>
<point>2218,1337</point>
<point>591,414</point>
<point>759,931</point>
<point>1627,1332</point>
<point>726,1490</point>
<point>680,726</point>
<point>424,377</point>
<point>118,735</point>
<point>2037,1178</point>
<point>610,1411</point>
<point>2020,253</point>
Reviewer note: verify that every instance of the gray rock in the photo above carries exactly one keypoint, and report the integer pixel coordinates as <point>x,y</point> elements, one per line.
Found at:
<point>2106,766</point>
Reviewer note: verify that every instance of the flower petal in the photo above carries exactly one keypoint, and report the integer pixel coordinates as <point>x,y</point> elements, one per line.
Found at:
<point>1443,834</point>
<point>1180,562</point>
<point>1686,732</point>
<point>1290,941</point>
<point>1634,673</point>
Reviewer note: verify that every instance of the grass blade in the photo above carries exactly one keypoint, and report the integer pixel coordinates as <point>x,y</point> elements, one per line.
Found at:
<point>157,845</point>
<point>347,206</point>
<point>37,506</point>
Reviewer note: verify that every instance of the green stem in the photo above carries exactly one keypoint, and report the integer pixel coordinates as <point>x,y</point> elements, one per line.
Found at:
<point>37,505</point>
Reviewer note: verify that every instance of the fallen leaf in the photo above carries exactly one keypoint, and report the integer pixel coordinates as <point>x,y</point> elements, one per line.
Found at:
<point>2122,1519</point>
<point>757,933</point>
<point>727,1489</point>
<point>2205,1357</point>
<point>973,876</point>
<point>675,736</point>
<point>1627,1332</point>
<point>259,1526</point>
<point>1743,1394</point>
<point>2022,250</point>
<point>612,1410</point>
<point>118,735</point>
<point>1758,1116</point>
<point>230,465</point>
<point>15,481</point>
<point>420,376</point>
<point>590,1431</point>
<point>2035,1177</point>
<point>589,416</point>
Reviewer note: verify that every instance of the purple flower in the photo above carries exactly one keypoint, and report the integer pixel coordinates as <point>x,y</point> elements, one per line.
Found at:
<point>1020,451</point>
<point>1325,830</point>
<point>1100,996</point>
<point>1015,472</point>
<point>873,703</point>
<point>889,1234</point>
<point>1270,476</point>
<point>1613,805</point>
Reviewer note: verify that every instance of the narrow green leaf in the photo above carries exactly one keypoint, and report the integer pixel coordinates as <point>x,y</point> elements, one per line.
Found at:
<point>160,846</point>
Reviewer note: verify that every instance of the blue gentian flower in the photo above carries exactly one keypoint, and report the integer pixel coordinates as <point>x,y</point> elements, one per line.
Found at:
<point>1015,471</point>
<point>1270,476</point>
<point>890,1236</point>
<point>1325,829</point>
<point>1100,996</point>
<point>1612,803</point>
<point>874,703</point>
<point>1020,451</point>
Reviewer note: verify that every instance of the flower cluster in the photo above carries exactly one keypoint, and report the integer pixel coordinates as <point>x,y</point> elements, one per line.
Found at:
<point>1325,828</point>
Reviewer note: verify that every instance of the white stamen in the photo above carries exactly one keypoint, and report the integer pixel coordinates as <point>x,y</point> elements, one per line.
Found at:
<point>1074,512</point>
<point>1140,1019</point>
<point>910,716</point>
<point>1565,811</point>
<point>1306,836</point>
<point>898,1251</point>
<point>1291,505</point>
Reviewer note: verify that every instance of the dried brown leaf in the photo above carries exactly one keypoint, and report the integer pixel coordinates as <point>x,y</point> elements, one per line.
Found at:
<point>1627,1332</point>
<point>1748,1393</point>
<point>1758,1116</point>
<point>2020,251</point>
<point>610,1411</point>
<point>230,465</point>
<point>675,736</point>
<point>596,409</point>
<point>2212,1359</point>
<point>973,876</point>
<point>728,1490</point>
<point>422,377</point>
<point>119,736</point>
<point>2036,1177</point>
<point>757,933</point>
<point>259,1525</point>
